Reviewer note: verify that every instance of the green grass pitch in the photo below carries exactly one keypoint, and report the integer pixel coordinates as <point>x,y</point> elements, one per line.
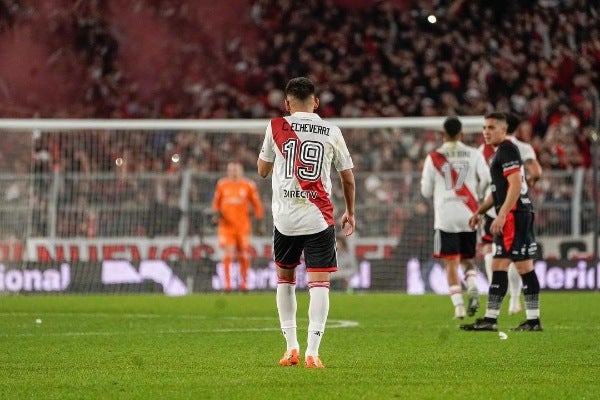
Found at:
<point>215,346</point>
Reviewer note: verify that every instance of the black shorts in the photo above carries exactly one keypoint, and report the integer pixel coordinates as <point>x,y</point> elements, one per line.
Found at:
<point>486,233</point>
<point>454,244</point>
<point>517,241</point>
<point>319,250</point>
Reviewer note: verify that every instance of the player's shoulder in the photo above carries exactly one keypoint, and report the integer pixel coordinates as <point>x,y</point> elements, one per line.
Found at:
<point>508,145</point>
<point>507,150</point>
<point>277,123</point>
<point>518,142</point>
<point>278,119</point>
<point>525,148</point>
<point>459,149</point>
<point>465,147</point>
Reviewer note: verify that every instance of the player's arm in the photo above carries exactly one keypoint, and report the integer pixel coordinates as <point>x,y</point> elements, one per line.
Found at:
<point>512,196</point>
<point>427,178</point>
<point>349,189</point>
<point>487,203</point>
<point>483,174</point>
<point>266,157</point>
<point>533,171</point>
<point>264,167</point>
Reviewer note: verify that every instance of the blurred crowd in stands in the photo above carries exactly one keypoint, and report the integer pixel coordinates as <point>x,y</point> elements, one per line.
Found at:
<point>380,58</point>
<point>155,59</point>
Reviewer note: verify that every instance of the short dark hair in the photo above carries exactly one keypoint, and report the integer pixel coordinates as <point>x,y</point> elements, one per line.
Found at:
<point>513,121</point>
<point>500,116</point>
<point>300,88</point>
<point>452,126</point>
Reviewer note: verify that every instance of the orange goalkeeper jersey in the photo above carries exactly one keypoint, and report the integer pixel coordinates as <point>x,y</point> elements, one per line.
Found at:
<point>233,200</point>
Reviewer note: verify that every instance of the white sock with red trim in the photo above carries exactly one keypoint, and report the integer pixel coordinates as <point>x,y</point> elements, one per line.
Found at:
<point>286,306</point>
<point>318,309</point>
<point>456,295</point>
<point>471,280</point>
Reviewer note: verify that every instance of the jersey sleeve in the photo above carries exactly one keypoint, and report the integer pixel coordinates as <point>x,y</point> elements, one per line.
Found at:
<point>483,174</point>
<point>267,151</point>
<point>510,160</point>
<point>527,152</point>
<point>342,160</point>
<point>427,180</point>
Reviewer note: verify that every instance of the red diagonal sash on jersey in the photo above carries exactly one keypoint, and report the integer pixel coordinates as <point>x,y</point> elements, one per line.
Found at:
<point>463,192</point>
<point>282,132</point>
<point>488,152</point>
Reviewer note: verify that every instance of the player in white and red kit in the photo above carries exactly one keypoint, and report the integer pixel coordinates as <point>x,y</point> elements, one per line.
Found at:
<point>455,175</point>
<point>299,150</point>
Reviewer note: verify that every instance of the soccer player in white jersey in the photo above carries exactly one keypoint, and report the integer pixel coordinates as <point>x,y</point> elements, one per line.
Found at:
<point>299,151</point>
<point>455,175</point>
<point>533,172</point>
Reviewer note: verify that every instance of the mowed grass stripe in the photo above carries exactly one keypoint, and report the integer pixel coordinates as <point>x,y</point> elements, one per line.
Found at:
<point>215,346</point>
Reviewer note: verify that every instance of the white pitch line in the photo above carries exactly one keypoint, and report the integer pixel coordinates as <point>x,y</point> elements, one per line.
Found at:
<point>331,324</point>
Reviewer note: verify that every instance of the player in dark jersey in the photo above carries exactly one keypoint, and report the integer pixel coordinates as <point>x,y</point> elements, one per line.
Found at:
<point>533,172</point>
<point>512,229</point>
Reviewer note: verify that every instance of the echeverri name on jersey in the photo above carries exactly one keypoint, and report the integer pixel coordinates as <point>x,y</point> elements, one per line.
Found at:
<point>305,127</point>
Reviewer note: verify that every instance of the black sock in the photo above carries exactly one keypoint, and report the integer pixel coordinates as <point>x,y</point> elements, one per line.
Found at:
<point>498,288</point>
<point>531,291</point>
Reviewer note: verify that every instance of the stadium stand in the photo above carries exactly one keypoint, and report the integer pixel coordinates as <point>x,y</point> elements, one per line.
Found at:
<point>184,59</point>
<point>156,58</point>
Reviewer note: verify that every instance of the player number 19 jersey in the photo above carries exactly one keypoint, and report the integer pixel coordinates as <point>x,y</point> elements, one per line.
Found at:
<point>303,147</point>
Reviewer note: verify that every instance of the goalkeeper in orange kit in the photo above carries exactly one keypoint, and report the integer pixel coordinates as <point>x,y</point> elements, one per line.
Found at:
<point>234,196</point>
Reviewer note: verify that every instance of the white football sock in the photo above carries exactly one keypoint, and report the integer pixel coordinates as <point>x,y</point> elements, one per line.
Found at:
<point>286,306</point>
<point>514,286</point>
<point>471,279</point>
<point>456,295</point>
<point>487,260</point>
<point>318,309</point>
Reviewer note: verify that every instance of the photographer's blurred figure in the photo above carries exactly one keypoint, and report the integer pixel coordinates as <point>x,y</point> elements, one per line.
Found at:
<point>234,196</point>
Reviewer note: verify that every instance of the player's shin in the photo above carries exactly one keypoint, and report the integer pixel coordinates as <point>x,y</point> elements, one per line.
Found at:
<point>531,291</point>
<point>498,288</point>
<point>514,290</point>
<point>286,307</point>
<point>487,260</point>
<point>318,309</point>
